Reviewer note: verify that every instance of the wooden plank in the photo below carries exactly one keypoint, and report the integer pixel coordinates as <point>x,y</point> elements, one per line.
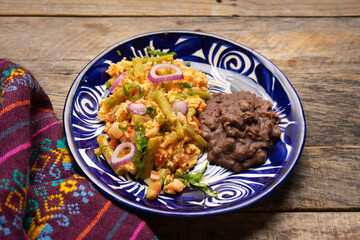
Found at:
<point>238,225</point>
<point>181,8</point>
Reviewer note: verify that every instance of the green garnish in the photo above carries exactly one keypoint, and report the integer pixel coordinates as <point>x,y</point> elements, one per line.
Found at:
<point>184,84</point>
<point>128,94</point>
<point>99,152</point>
<point>194,179</point>
<point>123,128</point>
<point>141,143</point>
<point>157,52</point>
<point>163,86</point>
<point>118,52</point>
<point>151,111</point>
<point>188,64</point>
<point>180,96</point>
<point>137,128</point>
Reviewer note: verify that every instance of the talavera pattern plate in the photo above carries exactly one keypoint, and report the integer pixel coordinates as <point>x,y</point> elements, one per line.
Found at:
<point>230,67</point>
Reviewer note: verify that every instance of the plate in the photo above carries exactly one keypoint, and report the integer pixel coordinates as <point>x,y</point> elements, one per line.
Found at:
<point>230,67</point>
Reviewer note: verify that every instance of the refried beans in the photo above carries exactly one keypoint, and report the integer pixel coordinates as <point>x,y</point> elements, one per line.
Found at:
<point>239,128</point>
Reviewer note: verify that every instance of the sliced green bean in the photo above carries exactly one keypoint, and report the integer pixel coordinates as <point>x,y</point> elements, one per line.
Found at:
<point>165,106</point>
<point>150,154</point>
<point>198,139</point>
<point>191,112</point>
<point>154,187</point>
<point>152,92</point>
<point>138,68</point>
<point>160,59</point>
<point>116,97</point>
<point>201,94</point>
<point>136,119</point>
<point>179,129</point>
<point>104,146</point>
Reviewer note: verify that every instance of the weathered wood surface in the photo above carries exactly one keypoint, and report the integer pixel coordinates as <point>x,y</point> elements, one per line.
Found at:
<point>271,226</point>
<point>320,57</point>
<point>181,8</point>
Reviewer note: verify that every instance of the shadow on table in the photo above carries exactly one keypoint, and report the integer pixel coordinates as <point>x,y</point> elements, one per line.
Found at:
<point>248,223</point>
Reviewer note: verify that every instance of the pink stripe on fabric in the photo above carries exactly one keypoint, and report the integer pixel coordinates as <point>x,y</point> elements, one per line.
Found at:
<point>137,230</point>
<point>3,61</point>
<point>15,150</point>
<point>44,128</point>
<point>25,145</point>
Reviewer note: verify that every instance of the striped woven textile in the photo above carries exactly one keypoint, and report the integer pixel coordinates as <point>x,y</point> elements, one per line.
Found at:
<point>42,194</point>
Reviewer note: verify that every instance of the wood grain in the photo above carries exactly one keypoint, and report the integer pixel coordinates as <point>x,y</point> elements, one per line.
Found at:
<point>238,225</point>
<point>181,8</point>
<point>326,81</point>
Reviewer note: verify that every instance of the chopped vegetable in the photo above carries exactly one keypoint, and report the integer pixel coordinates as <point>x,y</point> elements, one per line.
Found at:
<point>99,152</point>
<point>165,106</point>
<point>150,152</point>
<point>184,84</point>
<point>151,111</point>
<point>118,161</point>
<point>200,140</point>
<point>134,87</point>
<point>141,143</point>
<point>180,106</point>
<point>137,119</point>
<point>194,179</point>
<point>201,94</point>
<point>137,108</point>
<point>118,80</point>
<point>157,52</point>
<point>173,72</point>
<point>138,68</point>
<point>154,187</point>
<point>104,147</point>
<point>191,112</point>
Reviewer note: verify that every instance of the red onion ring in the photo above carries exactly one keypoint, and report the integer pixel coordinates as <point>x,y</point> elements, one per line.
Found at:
<point>116,161</point>
<point>180,106</point>
<point>137,108</point>
<point>118,80</point>
<point>154,78</point>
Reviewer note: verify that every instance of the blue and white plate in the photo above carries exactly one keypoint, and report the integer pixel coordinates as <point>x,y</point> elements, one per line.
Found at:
<point>230,67</point>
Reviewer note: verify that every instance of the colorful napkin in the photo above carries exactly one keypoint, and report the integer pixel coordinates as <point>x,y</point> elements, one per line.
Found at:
<point>42,194</point>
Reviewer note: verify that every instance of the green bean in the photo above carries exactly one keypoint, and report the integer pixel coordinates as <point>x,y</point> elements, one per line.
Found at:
<point>154,187</point>
<point>138,68</point>
<point>198,139</point>
<point>179,129</point>
<point>104,146</point>
<point>191,112</point>
<point>116,97</point>
<point>165,106</point>
<point>136,119</point>
<point>160,59</point>
<point>201,94</point>
<point>112,80</point>
<point>152,92</point>
<point>149,157</point>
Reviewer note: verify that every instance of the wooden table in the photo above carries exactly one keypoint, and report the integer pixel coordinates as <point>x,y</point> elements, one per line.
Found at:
<point>315,43</point>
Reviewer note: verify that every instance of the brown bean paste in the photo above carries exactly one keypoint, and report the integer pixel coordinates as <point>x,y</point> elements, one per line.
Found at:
<point>239,128</point>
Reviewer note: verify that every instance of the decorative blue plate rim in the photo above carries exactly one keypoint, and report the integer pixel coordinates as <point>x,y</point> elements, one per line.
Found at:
<point>107,190</point>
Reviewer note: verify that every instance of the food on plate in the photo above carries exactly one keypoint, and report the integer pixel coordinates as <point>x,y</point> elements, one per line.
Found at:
<point>151,125</point>
<point>239,128</point>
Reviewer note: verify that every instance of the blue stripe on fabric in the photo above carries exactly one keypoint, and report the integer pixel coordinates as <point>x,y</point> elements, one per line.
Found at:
<point>117,225</point>
<point>17,126</point>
